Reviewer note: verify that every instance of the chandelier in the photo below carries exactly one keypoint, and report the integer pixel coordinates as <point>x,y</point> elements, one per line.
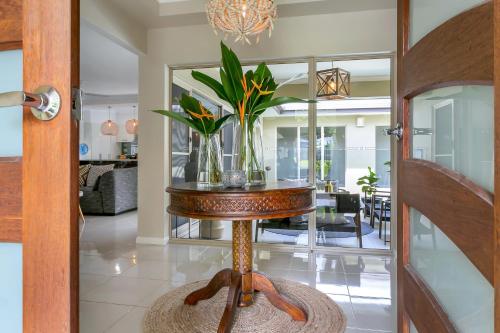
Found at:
<point>333,83</point>
<point>242,18</point>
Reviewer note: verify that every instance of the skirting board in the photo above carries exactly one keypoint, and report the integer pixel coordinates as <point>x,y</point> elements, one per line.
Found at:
<point>152,240</point>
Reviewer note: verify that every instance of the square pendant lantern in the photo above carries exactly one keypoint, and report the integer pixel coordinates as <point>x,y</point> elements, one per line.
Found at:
<point>333,83</point>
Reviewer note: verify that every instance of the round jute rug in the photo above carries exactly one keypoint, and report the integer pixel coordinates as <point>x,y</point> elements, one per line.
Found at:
<point>170,315</point>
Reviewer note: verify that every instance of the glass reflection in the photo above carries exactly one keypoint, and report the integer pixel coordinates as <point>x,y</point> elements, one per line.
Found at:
<point>453,127</point>
<point>466,296</point>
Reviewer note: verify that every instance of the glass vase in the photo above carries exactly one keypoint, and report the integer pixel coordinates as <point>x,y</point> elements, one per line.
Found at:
<point>248,153</point>
<point>240,147</point>
<point>256,171</point>
<point>209,162</point>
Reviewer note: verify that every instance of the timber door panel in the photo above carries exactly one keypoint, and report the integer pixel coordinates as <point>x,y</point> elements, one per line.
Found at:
<point>446,166</point>
<point>38,169</point>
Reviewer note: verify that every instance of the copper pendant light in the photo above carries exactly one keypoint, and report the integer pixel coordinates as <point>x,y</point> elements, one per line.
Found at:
<point>132,125</point>
<point>109,127</point>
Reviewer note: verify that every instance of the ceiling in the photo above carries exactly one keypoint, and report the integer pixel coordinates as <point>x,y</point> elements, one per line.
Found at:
<point>106,68</point>
<point>361,70</point>
<point>167,13</point>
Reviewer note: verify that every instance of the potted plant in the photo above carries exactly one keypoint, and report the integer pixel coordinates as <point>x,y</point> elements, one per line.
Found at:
<point>368,183</point>
<point>250,94</point>
<point>205,123</point>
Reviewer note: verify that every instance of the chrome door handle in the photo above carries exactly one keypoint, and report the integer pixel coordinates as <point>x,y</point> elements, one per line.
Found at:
<point>396,131</point>
<point>45,103</point>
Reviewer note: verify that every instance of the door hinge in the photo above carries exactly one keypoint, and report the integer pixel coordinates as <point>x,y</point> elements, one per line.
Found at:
<point>77,104</point>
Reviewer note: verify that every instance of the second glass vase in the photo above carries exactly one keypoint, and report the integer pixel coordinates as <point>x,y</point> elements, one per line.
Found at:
<point>256,172</point>
<point>248,153</point>
<point>209,162</point>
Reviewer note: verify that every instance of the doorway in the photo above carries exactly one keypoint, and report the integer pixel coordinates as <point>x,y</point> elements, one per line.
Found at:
<point>341,142</point>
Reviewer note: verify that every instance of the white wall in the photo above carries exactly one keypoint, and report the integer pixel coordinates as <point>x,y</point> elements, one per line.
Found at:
<point>319,35</point>
<point>153,157</point>
<point>104,146</point>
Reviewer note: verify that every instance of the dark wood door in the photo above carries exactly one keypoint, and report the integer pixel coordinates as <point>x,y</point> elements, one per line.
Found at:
<point>447,165</point>
<point>39,169</point>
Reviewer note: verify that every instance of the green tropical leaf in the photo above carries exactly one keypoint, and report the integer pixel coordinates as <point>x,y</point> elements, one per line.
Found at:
<point>212,83</point>
<point>228,87</point>
<point>189,103</point>
<point>259,72</point>
<point>222,122</point>
<point>234,72</point>
<point>178,117</point>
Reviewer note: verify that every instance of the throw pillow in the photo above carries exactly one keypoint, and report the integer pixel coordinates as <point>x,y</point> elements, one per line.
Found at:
<point>83,174</point>
<point>97,171</point>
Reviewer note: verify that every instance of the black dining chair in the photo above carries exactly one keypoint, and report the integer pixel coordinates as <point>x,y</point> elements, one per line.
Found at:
<point>346,203</point>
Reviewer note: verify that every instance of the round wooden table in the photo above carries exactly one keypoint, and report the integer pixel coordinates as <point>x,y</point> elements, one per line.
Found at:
<point>275,200</point>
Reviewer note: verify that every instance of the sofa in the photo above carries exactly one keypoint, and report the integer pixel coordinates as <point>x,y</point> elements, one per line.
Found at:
<point>114,193</point>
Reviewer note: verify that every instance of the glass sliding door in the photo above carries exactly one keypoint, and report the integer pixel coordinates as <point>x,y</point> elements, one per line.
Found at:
<point>286,151</point>
<point>350,142</point>
<point>332,143</point>
<point>185,144</point>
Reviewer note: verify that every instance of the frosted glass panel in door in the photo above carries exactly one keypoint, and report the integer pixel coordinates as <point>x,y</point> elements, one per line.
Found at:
<point>465,295</point>
<point>426,15</point>
<point>11,125</point>
<point>413,329</point>
<point>11,134</point>
<point>453,127</point>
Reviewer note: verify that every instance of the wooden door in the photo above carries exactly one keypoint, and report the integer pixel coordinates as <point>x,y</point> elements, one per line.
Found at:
<point>446,165</point>
<point>39,169</point>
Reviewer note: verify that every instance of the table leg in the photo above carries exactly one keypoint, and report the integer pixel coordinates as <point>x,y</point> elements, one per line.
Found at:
<point>243,259</point>
<point>219,281</point>
<point>242,282</point>
<point>263,283</point>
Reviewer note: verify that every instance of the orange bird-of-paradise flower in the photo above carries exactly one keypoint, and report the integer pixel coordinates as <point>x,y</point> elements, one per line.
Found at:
<point>241,110</point>
<point>204,113</point>
<point>259,87</point>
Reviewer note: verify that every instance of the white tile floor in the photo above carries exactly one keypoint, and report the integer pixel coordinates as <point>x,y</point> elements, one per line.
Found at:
<point>120,279</point>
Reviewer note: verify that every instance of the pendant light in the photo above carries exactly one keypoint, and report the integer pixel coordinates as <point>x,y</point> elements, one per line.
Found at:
<point>333,83</point>
<point>109,127</point>
<point>132,125</point>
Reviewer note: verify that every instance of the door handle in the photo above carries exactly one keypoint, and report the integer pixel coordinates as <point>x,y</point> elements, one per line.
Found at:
<point>396,131</point>
<point>45,102</point>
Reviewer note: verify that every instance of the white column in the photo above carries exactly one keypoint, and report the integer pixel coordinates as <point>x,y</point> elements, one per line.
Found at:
<point>153,157</point>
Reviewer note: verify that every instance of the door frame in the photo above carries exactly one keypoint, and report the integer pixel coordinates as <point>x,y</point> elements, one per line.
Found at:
<point>311,62</point>
<point>45,218</point>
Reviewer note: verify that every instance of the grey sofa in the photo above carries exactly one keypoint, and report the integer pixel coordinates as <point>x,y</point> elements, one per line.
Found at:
<point>115,193</point>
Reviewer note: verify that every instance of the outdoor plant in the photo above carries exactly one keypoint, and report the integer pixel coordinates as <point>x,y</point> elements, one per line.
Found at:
<point>368,183</point>
<point>327,166</point>
<point>250,94</point>
<point>205,123</point>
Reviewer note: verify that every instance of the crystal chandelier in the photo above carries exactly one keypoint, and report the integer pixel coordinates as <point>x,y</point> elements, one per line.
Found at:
<point>242,18</point>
